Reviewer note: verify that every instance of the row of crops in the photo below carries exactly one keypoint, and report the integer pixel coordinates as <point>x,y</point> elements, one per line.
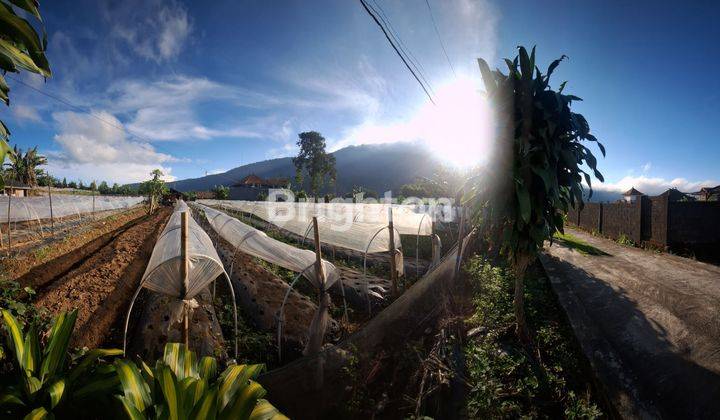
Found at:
<point>185,262</point>
<point>27,217</point>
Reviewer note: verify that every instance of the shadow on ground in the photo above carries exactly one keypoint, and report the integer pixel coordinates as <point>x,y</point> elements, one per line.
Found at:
<point>644,373</point>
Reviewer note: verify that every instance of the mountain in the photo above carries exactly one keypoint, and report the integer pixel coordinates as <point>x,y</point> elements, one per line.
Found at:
<point>378,167</point>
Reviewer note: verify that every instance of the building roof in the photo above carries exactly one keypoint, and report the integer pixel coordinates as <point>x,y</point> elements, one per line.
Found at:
<point>632,191</point>
<point>255,180</point>
<point>17,185</point>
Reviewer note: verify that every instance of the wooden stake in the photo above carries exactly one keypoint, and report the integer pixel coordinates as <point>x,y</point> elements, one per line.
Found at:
<point>318,250</point>
<point>93,208</point>
<point>393,268</point>
<point>8,223</point>
<point>52,220</point>
<point>184,268</point>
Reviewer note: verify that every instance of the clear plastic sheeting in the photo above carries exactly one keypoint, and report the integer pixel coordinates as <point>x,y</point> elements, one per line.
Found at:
<point>24,209</point>
<point>340,224</point>
<point>256,243</point>
<point>162,274</point>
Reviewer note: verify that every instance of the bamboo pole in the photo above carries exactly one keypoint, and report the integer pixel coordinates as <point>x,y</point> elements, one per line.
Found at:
<point>318,250</point>
<point>184,272</point>
<point>9,245</point>
<point>93,206</point>
<point>318,326</point>
<point>52,220</point>
<point>393,268</point>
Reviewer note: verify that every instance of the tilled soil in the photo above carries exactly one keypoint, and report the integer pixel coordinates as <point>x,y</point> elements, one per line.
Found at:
<point>101,286</point>
<point>35,265</point>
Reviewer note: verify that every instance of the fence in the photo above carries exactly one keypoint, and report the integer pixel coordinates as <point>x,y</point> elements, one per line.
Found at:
<point>656,220</point>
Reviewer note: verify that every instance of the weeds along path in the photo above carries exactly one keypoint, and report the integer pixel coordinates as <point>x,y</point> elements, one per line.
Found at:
<point>43,261</point>
<point>101,285</point>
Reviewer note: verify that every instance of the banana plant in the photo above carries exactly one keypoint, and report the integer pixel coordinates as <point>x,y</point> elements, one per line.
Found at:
<point>47,380</point>
<point>181,387</point>
<point>21,48</point>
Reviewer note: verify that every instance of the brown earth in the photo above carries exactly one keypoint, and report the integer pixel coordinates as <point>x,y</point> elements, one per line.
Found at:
<point>102,284</point>
<point>37,264</point>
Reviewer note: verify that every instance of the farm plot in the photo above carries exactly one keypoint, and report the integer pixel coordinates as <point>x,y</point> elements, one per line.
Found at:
<point>101,285</point>
<point>25,221</point>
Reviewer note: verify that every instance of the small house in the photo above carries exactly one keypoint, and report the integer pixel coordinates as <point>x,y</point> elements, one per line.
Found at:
<point>632,195</point>
<point>16,189</point>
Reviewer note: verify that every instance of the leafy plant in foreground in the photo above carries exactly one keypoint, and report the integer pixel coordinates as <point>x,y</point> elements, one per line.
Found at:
<point>180,387</point>
<point>45,381</point>
<point>538,160</point>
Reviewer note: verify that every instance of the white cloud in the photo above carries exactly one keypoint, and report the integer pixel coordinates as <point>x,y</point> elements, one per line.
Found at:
<point>26,113</point>
<point>154,30</point>
<point>168,109</point>
<point>653,186</point>
<point>91,147</point>
<point>646,167</point>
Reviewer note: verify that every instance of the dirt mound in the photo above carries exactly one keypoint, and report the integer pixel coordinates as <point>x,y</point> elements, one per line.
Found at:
<point>103,283</point>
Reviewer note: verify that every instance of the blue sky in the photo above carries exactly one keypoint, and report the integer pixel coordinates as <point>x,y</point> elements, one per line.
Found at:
<point>194,87</point>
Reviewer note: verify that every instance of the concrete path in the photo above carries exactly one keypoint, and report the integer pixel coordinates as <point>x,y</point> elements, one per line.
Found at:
<point>648,322</point>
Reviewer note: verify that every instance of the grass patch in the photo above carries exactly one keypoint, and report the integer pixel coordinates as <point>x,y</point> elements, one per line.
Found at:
<point>505,381</point>
<point>577,244</point>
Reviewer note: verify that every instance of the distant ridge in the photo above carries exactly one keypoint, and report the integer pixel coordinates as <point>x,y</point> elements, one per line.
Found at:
<point>378,167</point>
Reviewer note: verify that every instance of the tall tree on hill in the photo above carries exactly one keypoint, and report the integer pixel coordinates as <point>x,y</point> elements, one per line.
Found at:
<point>154,188</point>
<point>21,48</point>
<point>313,159</point>
<point>538,166</point>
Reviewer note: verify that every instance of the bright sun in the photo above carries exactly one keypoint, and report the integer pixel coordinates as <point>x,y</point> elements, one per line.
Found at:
<point>458,129</point>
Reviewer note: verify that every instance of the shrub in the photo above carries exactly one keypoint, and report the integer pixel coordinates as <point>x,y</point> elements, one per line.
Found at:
<point>45,381</point>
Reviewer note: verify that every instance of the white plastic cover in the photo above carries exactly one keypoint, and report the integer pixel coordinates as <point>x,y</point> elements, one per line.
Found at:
<point>24,209</point>
<point>256,243</point>
<point>163,273</point>
<point>354,226</point>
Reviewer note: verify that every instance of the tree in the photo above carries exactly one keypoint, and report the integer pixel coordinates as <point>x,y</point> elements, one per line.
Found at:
<point>537,175</point>
<point>64,183</point>
<point>115,188</point>
<point>23,166</point>
<point>313,159</point>
<point>221,192</point>
<point>103,188</point>
<point>21,48</point>
<point>72,185</point>
<point>154,188</point>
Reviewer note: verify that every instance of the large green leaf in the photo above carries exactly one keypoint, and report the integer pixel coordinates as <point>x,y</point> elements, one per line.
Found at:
<point>19,58</point>
<point>207,368</point>
<point>132,412</point>
<point>89,359</point>
<point>31,352</point>
<point>31,6</point>
<point>265,411</point>
<point>244,402</point>
<point>135,389</point>
<point>39,414</point>
<point>57,348</point>
<point>180,360</point>
<point>56,392</point>
<point>233,379</point>
<point>15,336</point>
<point>169,387</point>
<point>205,409</point>
<point>19,30</point>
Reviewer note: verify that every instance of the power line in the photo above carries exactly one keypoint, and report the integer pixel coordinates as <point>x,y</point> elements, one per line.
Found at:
<point>392,44</point>
<point>432,18</point>
<point>401,45</point>
<point>80,109</point>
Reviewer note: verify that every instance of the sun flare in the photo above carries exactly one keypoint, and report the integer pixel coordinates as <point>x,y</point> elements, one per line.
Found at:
<point>459,127</point>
